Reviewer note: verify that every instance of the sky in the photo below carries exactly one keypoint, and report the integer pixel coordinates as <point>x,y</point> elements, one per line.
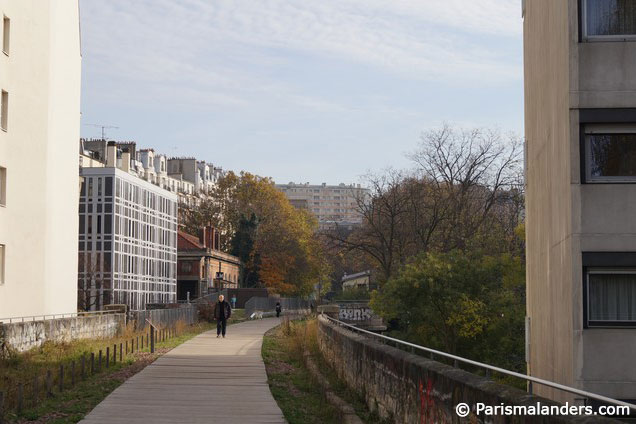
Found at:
<point>298,90</point>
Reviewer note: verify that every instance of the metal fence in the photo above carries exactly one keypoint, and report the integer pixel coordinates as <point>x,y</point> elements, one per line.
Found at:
<point>488,368</point>
<point>266,304</point>
<point>54,316</point>
<point>162,318</point>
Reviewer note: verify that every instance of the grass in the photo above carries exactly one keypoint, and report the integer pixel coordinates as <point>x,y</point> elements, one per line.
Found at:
<point>299,397</point>
<point>301,401</point>
<point>72,403</point>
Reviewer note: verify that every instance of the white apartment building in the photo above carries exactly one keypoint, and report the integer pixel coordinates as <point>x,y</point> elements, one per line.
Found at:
<point>189,178</point>
<point>127,240</point>
<point>330,203</point>
<point>40,75</point>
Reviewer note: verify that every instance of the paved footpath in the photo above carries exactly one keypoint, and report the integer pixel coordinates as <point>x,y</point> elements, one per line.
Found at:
<point>204,380</point>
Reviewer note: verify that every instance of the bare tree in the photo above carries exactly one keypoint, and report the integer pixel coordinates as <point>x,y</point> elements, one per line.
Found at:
<point>466,181</point>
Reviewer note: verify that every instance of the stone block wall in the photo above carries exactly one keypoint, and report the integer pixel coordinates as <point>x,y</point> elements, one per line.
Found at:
<point>23,336</point>
<point>407,388</point>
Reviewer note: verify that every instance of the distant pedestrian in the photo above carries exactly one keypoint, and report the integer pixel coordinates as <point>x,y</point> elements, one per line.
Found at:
<point>278,309</point>
<point>222,312</point>
<point>233,301</point>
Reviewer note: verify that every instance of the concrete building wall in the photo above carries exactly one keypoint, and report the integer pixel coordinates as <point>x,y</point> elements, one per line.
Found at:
<point>549,201</point>
<point>41,73</point>
<point>567,217</point>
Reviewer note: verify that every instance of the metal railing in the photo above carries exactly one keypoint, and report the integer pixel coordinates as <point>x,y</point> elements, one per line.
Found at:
<point>55,316</point>
<point>530,379</point>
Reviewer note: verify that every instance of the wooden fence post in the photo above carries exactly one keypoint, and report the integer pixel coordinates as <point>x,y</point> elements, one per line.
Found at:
<point>1,407</point>
<point>99,368</point>
<point>61,382</point>
<point>49,384</point>
<point>35,391</point>
<point>114,353</point>
<point>121,352</point>
<point>152,339</point>
<point>137,343</point>
<point>92,363</point>
<point>126,347</point>
<point>20,396</point>
<point>107,356</point>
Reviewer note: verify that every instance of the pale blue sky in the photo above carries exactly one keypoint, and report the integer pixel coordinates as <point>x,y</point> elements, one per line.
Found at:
<point>299,90</point>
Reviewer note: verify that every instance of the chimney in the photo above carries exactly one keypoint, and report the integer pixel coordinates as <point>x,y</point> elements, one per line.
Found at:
<point>202,235</point>
<point>125,161</point>
<point>217,240</point>
<point>209,237</point>
<point>111,154</point>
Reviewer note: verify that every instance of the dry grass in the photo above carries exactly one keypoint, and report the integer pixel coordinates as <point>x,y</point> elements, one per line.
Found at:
<point>29,369</point>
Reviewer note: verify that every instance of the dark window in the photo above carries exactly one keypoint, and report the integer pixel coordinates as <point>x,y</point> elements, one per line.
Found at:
<point>108,208</point>
<point>611,297</point>
<point>81,224</point>
<point>108,223</point>
<point>109,186</point>
<point>609,19</point>
<point>99,224</point>
<point>610,154</point>
<point>83,188</point>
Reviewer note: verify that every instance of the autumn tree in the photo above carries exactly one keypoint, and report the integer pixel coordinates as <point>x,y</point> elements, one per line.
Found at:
<point>276,242</point>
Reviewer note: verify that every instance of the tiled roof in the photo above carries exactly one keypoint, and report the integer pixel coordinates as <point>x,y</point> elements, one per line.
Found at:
<point>188,242</point>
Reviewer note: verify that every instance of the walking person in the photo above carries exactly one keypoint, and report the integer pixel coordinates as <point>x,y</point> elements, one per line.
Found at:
<point>278,309</point>
<point>222,312</point>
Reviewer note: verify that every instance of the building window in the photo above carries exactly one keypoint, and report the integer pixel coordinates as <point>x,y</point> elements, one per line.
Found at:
<point>611,297</point>
<point>3,186</point>
<point>4,110</point>
<point>609,19</point>
<point>6,33</point>
<point>610,153</point>
<point>2,249</point>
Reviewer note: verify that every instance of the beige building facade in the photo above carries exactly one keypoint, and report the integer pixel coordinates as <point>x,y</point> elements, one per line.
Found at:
<point>330,203</point>
<point>580,127</point>
<point>40,75</point>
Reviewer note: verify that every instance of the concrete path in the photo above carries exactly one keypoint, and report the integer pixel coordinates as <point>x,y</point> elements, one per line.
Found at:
<point>205,380</point>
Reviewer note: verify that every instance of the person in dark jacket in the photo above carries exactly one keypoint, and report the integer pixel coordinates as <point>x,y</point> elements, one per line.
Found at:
<point>222,312</point>
<point>278,309</point>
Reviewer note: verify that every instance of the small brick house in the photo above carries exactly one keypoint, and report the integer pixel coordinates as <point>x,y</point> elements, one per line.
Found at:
<point>202,266</point>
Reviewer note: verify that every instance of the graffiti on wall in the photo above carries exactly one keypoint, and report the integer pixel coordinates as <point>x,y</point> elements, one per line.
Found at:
<point>355,313</point>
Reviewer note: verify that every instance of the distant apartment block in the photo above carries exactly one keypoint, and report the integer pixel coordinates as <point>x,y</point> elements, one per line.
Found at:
<point>330,203</point>
<point>127,240</point>
<point>580,125</point>
<point>40,74</point>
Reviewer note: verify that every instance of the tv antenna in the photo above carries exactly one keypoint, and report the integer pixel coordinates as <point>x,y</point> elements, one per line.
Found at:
<point>103,127</point>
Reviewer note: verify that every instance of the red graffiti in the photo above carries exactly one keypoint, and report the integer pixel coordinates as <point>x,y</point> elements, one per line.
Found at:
<point>427,403</point>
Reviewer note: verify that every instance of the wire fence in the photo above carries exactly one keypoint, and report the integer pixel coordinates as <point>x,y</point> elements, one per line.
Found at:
<point>165,317</point>
<point>25,389</point>
<point>30,318</point>
<point>267,304</point>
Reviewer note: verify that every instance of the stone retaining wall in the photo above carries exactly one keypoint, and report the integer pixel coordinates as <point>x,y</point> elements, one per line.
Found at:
<point>408,388</point>
<point>23,336</point>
